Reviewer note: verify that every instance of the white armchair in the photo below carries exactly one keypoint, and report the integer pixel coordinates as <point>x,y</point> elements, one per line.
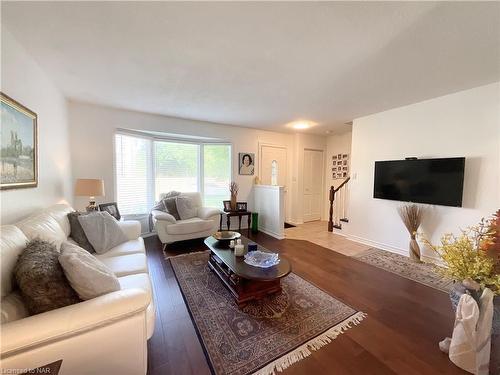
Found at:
<point>171,230</point>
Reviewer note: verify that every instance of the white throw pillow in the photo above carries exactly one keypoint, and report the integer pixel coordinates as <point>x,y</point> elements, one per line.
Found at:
<point>185,207</point>
<point>87,275</point>
<point>102,231</point>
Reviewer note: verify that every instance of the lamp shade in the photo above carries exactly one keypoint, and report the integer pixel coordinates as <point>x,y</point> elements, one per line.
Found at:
<point>87,187</point>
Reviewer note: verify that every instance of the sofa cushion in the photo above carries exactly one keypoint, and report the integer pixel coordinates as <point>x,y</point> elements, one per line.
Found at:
<point>130,247</point>
<point>44,227</point>
<point>102,230</point>
<point>141,281</point>
<point>77,233</point>
<point>126,264</point>
<point>188,226</point>
<point>12,243</point>
<point>186,207</point>
<point>13,308</point>
<point>88,276</point>
<point>41,279</point>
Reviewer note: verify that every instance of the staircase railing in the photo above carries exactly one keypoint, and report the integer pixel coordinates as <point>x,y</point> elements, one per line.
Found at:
<point>338,207</point>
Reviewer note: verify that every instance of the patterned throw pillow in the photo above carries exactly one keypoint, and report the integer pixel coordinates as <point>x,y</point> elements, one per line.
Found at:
<point>77,232</point>
<point>41,279</point>
<point>171,207</point>
<point>102,230</point>
<point>186,207</point>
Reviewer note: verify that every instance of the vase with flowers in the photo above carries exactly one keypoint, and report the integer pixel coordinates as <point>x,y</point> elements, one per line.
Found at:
<point>233,189</point>
<point>472,260</point>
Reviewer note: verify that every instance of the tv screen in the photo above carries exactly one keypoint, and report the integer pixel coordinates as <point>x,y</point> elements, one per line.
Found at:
<point>432,181</point>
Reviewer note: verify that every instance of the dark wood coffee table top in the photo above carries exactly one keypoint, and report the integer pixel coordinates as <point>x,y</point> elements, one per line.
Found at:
<point>240,268</point>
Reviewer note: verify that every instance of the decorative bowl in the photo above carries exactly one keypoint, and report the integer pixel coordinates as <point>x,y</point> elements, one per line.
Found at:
<point>226,235</point>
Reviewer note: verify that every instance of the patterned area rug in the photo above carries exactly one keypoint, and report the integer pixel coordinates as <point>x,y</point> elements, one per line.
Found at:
<point>265,336</point>
<point>423,273</point>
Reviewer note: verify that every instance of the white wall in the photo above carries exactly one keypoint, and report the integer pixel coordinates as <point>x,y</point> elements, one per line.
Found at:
<point>462,124</point>
<point>24,81</point>
<point>93,128</point>
<point>335,144</point>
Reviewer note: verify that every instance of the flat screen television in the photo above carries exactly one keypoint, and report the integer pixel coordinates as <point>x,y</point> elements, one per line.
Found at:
<point>432,181</point>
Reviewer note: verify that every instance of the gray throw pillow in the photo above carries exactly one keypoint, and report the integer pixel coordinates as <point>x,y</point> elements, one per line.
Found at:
<point>88,276</point>
<point>41,279</point>
<point>186,207</point>
<point>171,207</point>
<point>102,230</point>
<point>159,206</point>
<point>77,232</point>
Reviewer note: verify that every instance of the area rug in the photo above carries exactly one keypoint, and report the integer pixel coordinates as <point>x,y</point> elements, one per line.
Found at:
<point>423,273</point>
<point>263,337</point>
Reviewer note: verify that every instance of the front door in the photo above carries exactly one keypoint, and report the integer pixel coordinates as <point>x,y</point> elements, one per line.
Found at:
<point>313,184</point>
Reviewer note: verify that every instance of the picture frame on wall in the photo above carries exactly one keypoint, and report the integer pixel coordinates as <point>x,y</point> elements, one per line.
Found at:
<point>246,163</point>
<point>19,145</point>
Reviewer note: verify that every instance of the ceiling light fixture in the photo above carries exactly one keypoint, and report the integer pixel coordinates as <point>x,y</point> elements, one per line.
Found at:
<point>301,125</point>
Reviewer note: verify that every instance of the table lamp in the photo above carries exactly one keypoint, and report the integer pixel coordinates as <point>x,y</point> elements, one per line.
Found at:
<point>87,187</point>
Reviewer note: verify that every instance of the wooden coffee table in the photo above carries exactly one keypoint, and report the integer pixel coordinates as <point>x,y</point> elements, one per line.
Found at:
<point>244,281</point>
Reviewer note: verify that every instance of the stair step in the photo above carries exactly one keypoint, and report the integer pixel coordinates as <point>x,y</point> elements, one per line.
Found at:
<point>337,226</point>
<point>345,220</point>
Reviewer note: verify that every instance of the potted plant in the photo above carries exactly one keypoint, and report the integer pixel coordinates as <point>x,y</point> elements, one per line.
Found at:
<point>472,260</point>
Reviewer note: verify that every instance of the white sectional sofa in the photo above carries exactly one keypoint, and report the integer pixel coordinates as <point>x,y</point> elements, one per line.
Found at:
<point>104,335</point>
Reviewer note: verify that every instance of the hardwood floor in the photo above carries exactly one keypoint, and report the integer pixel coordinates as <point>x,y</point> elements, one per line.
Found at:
<point>405,322</point>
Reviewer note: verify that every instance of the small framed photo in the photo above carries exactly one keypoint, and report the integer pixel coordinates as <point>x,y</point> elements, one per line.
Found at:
<point>111,208</point>
<point>334,157</point>
<point>344,168</point>
<point>344,156</point>
<point>241,206</point>
<point>339,156</point>
<point>345,162</point>
<point>344,174</point>
<point>339,162</point>
<point>227,205</point>
<point>339,175</point>
<point>246,163</point>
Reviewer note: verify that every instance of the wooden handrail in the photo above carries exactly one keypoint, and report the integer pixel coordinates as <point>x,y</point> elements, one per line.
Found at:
<point>332,198</point>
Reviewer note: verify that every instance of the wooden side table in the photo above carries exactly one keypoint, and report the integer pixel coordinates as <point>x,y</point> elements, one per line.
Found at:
<point>240,214</point>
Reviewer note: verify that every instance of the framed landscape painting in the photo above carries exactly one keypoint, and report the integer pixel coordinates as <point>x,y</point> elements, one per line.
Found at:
<point>19,145</point>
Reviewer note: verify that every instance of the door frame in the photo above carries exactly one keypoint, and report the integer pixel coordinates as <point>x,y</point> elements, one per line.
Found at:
<point>322,191</point>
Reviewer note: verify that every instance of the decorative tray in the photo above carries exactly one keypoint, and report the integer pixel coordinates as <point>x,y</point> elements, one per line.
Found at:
<point>226,235</point>
<point>261,259</point>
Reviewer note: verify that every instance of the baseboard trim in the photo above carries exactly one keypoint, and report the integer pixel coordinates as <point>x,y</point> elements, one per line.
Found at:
<point>272,234</point>
<point>378,245</point>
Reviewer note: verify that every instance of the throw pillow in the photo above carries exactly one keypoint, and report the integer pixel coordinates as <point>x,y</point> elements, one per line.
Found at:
<point>77,232</point>
<point>186,207</point>
<point>41,279</point>
<point>159,206</point>
<point>171,207</point>
<point>102,230</point>
<point>88,276</point>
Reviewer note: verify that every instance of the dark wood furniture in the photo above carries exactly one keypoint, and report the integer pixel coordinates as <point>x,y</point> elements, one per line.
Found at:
<point>245,282</point>
<point>239,214</point>
<point>112,209</point>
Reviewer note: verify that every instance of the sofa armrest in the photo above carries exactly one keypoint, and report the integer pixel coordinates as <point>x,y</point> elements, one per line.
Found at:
<point>163,216</point>
<point>131,228</point>
<point>207,212</point>
<point>55,325</point>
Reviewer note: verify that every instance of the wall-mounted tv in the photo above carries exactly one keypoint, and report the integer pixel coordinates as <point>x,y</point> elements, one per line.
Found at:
<point>432,181</point>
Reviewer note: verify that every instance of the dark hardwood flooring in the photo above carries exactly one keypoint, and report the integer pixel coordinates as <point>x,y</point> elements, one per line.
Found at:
<point>405,322</point>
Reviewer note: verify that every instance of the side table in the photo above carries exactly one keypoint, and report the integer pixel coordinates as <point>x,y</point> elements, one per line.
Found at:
<point>239,214</point>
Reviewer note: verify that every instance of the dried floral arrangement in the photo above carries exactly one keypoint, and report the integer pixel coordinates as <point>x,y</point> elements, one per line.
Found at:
<point>474,255</point>
<point>411,215</point>
<point>233,189</point>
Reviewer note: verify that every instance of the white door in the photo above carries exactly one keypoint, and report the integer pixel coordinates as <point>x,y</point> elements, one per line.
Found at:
<point>267,155</point>
<point>313,184</point>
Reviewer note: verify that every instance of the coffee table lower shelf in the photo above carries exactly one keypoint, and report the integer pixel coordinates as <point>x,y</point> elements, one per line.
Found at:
<point>243,290</point>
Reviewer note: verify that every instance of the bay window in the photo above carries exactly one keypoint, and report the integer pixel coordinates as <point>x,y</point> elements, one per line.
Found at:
<point>145,167</point>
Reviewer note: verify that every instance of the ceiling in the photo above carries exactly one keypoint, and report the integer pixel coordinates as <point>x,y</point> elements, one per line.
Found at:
<point>260,64</point>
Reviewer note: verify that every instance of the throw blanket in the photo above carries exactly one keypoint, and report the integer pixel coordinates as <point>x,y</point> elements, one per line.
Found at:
<point>471,341</point>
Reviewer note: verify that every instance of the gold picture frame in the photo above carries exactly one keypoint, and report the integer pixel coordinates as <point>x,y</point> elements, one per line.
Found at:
<point>19,145</point>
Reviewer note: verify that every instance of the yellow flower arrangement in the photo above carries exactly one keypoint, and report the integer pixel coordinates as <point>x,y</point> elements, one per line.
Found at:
<point>469,256</point>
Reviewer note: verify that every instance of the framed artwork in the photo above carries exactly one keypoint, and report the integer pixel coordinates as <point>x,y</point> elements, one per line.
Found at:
<point>227,206</point>
<point>241,206</point>
<point>246,163</point>
<point>340,166</point>
<point>111,208</point>
<point>19,145</point>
